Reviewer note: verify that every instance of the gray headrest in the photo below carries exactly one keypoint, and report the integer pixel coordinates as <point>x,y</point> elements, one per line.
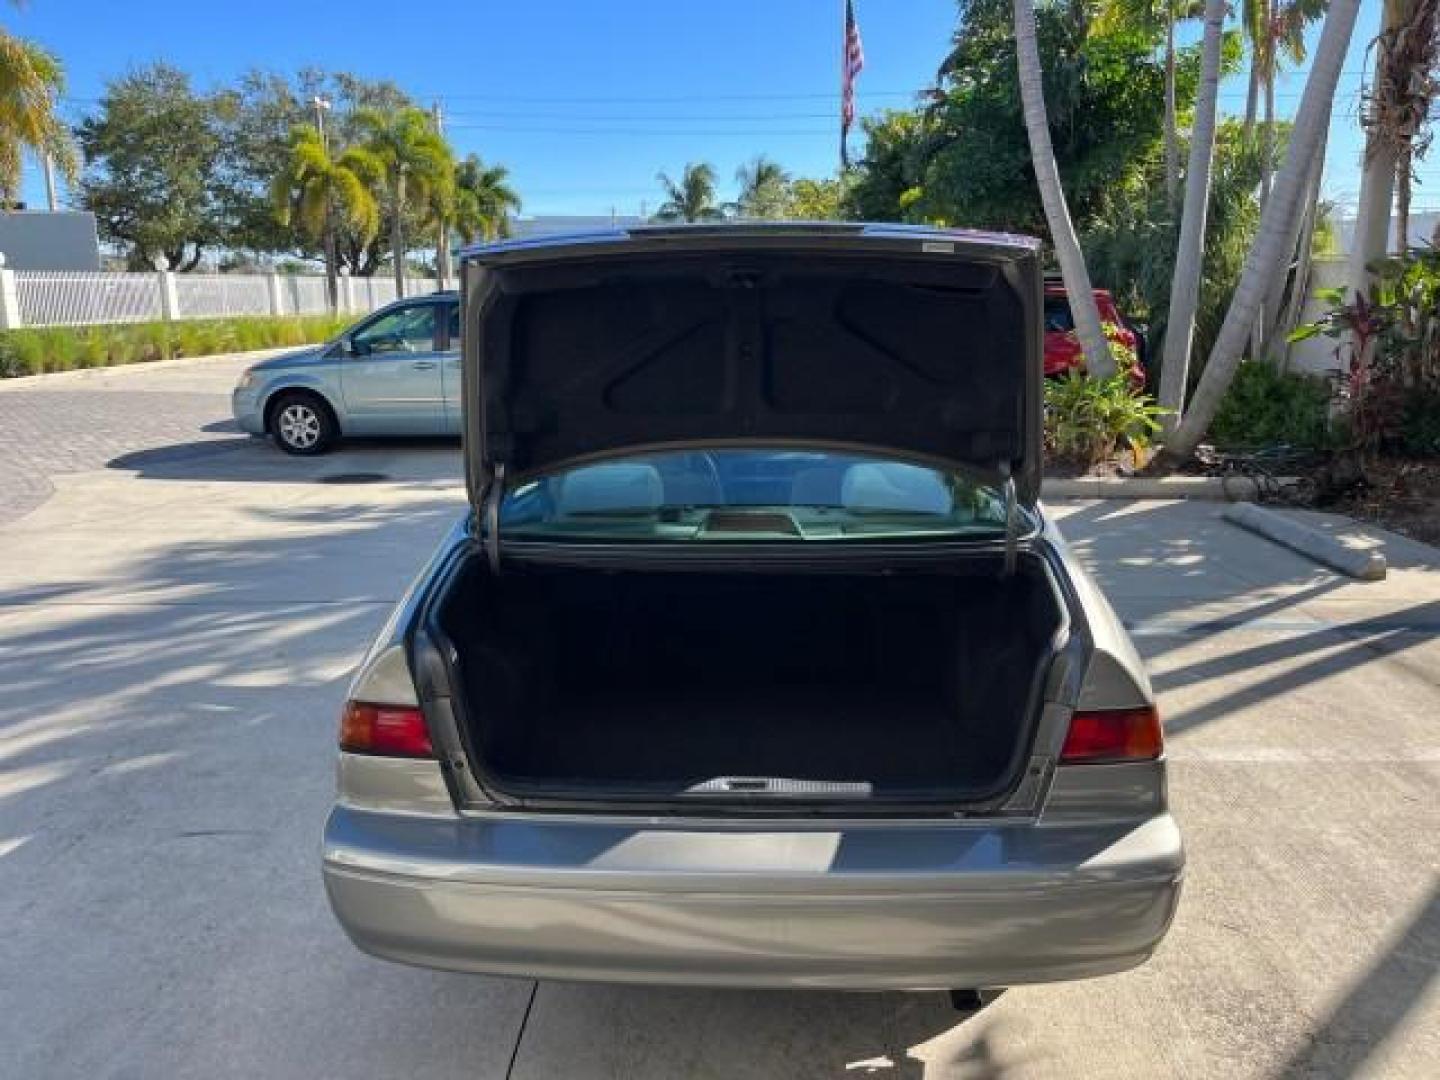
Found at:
<point>893,486</point>
<point>597,488</point>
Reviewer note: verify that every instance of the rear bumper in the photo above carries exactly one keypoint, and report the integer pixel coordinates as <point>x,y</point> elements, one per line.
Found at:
<point>864,907</point>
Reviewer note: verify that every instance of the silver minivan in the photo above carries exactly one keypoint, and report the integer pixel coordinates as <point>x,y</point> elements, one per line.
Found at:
<point>756,661</point>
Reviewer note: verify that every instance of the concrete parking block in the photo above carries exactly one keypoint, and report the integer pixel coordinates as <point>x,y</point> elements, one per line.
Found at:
<point>1364,564</point>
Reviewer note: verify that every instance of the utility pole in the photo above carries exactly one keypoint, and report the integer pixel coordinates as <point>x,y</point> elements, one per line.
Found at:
<point>442,243</point>
<point>332,284</point>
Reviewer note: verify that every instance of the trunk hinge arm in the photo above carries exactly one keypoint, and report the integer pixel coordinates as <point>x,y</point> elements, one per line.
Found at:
<point>490,516</point>
<point>1012,518</point>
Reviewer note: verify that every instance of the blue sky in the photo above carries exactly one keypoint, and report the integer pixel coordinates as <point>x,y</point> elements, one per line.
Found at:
<point>586,101</point>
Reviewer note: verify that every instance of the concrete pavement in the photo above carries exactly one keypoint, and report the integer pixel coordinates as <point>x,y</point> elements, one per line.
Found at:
<point>177,622</point>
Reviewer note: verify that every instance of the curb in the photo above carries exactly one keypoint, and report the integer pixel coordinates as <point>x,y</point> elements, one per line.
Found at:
<point>21,382</point>
<point>1214,488</point>
<point>1323,548</point>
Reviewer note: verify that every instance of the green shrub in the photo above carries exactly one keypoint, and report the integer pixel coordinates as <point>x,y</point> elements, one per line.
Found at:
<point>1419,425</point>
<point>1388,350</point>
<point>1266,407</point>
<point>37,350</point>
<point>1086,419</point>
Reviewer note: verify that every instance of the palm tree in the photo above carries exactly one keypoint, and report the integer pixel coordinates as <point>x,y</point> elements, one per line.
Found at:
<point>30,81</point>
<point>1148,14</point>
<point>1276,229</point>
<point>1190,250</point>
<point>484,200</point>
<point>1083,308</point>
<point>416,162</point>
<point>318,190</point>
<point>1377,174</point>
<point>444,204</point>
<point>1255,26</point>
<point>1395,124</point>
<point>1274,28</point>
<point>763,187</point>
<point>693,198</point>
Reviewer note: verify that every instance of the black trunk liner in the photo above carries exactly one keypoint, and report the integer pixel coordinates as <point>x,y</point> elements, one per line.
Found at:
<point>597,681</point>
<point>797,733</point>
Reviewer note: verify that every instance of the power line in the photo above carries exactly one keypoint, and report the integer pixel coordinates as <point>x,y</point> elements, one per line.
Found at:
<point>749,134</point>
<point>660,99</point>
<point>508,114</point>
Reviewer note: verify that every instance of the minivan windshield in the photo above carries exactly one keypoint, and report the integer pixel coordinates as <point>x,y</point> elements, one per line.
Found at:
<point>769,494</point>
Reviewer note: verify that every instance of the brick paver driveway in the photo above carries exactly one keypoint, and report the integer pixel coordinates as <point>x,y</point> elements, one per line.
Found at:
<point>50,426</point>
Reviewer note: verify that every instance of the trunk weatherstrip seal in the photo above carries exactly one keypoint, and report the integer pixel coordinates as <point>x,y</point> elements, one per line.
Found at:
<point>494,496</point>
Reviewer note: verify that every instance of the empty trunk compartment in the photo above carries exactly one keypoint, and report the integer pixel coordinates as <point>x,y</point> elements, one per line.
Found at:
<point>652,685</point>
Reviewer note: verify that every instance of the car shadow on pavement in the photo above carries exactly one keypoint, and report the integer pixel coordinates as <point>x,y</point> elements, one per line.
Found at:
<point>655,1033</point>
<point>248,459</point>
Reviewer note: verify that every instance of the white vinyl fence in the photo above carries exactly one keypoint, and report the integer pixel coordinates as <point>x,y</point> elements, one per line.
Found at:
<point>79,299</point>
<point>30,298</point>
<point>218,295</point>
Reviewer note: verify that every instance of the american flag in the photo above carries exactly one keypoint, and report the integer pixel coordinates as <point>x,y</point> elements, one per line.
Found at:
<point>851,64</point>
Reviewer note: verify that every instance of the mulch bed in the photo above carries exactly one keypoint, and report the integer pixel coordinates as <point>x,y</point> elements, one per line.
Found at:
<point>1119,464</point>
<point>1400,494</point>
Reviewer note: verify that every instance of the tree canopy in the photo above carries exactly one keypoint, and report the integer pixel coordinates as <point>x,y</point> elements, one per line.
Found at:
<point>153,154</point>
<point>484,200</point>
<point>764,189</point>
<point>692,197</point>
<point>174,171</point>
<point>962,158</point>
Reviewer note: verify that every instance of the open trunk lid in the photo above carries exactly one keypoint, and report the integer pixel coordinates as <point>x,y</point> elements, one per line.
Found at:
<point>914,343</point>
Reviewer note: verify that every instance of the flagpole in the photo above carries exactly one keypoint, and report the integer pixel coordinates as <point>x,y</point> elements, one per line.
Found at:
<point>844,61</point>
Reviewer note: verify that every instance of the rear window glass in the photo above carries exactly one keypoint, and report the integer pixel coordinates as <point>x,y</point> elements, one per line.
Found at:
<point>1057,315</point>
<point>750,494</point>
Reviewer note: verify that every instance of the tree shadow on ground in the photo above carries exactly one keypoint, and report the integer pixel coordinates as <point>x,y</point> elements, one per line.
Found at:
<point>1377,1003</point>
<point>166,763</point>
<point>1178,575</point>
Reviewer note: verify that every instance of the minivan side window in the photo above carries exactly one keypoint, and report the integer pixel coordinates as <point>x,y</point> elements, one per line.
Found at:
<point>406,329</point>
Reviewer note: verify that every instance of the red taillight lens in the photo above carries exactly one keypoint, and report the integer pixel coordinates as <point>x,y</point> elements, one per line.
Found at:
<point>1112,735</point>
<point>391,730</point>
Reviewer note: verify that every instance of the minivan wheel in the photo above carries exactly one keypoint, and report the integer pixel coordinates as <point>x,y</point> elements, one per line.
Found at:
<point>302,424</point>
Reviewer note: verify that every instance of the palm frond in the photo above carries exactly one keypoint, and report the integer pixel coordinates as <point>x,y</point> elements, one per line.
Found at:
<point>31,79</point>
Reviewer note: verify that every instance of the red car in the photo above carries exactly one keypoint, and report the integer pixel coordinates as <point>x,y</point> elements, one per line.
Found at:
<point>1062,347</point>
